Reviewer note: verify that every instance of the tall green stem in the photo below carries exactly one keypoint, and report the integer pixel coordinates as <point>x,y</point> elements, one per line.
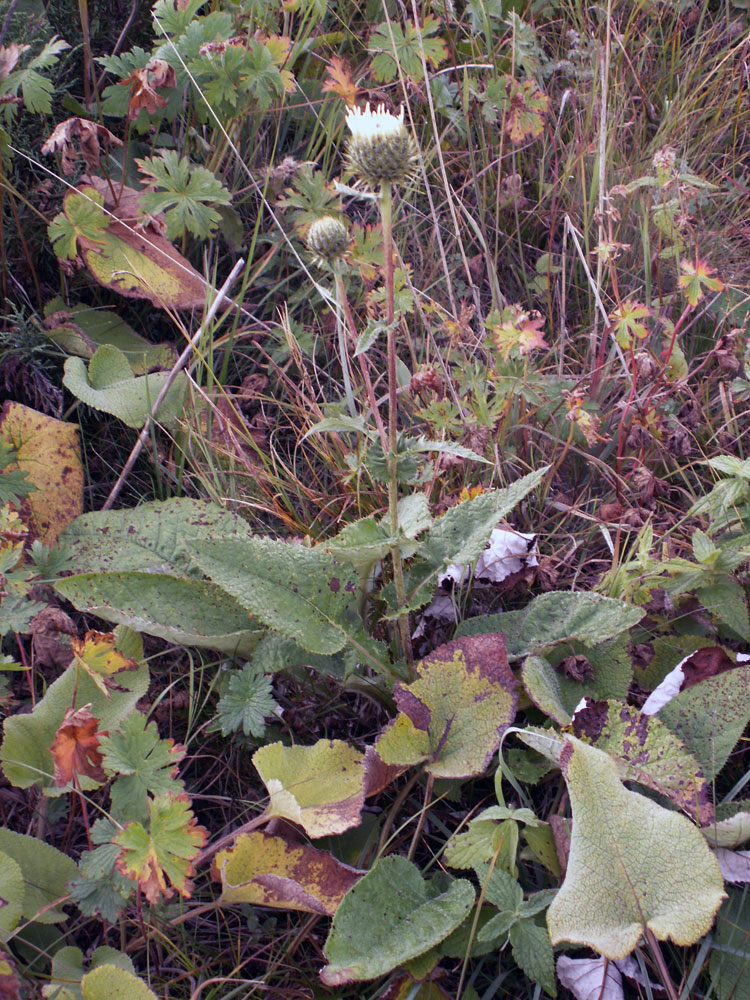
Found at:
<point>386,215</point>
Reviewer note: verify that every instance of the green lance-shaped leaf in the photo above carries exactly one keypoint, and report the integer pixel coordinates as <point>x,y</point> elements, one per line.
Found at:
<point>730,954</point>
<point>461,534</point>
<point>632,865</point>
<point>454,715</point>
<point>556,617</point>
<point>321,787</point>
<point>133,568</point>
<point>45,872</point>
<point>389,917</point>
<point>302,593</point>
<point>110,385</point>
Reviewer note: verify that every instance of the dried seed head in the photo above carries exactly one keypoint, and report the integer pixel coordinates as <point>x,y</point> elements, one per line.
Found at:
<point>327,239</point>
<point>381,149</point>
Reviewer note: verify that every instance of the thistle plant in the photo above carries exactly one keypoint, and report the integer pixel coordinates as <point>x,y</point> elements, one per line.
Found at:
<point>382,152</point>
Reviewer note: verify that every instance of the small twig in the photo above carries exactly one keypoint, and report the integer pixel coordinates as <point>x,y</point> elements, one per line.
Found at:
<point>178,366</point>
<point>229,838</point>
<point>6,22</point>
<point>422,816</point>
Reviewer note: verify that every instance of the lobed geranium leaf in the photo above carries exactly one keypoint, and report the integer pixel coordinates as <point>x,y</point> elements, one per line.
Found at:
<point>166,850</point>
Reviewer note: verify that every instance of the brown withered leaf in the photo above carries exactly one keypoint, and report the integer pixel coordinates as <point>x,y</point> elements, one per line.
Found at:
<point>10,985</point>
<point>269,870</point>
<point>706,662</point>
<point>9,56</point>
<point>91,137</point>
<point>45,629</point>
<point>75,749</point>
<point>143,84</point>
<point>576,667</point>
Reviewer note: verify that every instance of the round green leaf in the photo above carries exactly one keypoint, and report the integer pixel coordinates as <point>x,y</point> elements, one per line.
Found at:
<point>390,917</point>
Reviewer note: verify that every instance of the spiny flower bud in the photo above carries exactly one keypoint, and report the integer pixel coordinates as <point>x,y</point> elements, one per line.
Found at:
<point>327,239</point>
<point>381,149</point>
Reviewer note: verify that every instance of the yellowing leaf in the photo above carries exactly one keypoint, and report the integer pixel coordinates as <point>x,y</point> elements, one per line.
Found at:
<point>648,753</point>
<point>272,871</point>
<point>454,715</point>
<point>695,277</point>
<point>528,105</point>
<point>632,865</point>
<point>132,259</point>
<point>49,452</point>
<point>320,787</point>
<point>165,851</point>
<point>98,655</point>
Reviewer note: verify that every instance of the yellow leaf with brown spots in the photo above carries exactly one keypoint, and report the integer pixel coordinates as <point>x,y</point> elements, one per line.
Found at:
<point>273,871</point>
<point>48,450</point>
<point>454,715</point>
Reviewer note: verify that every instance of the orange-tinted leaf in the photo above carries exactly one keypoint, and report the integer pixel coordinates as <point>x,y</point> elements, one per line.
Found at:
<point>75,750</point>
<point>695,277</point>
<point>99,657</point>
<point>165,851</point>
<point>273,871</point>
<point>453,716</point>
<point>49,452</point>
<point>339,81</point>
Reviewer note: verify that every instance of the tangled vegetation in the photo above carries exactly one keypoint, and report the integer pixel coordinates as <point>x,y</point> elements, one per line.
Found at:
<point>373,549</point>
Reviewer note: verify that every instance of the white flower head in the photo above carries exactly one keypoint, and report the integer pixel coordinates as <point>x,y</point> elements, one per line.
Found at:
<point>381,149</point>
<point>368,124</point>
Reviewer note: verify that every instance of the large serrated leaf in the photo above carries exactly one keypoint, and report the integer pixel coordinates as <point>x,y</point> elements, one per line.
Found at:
<point>302,593</point>
<point>390,917</point>
<point>184,611</point>
<point>559,616</point>
<point>149,538</point>
<point>461,534</point>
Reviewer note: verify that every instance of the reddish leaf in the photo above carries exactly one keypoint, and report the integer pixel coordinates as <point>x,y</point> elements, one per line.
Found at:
<point>143,84</point>
<point>75,750</point>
